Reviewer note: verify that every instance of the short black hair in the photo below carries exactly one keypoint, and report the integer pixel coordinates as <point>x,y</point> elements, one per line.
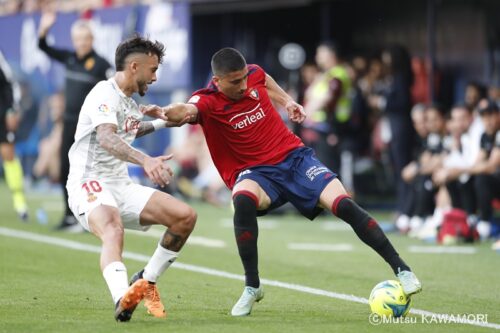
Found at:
<point>481,88</point>
<point>439,108</point>
<point>137,44</point>
<point>490,108</point>
<point>227,60</point>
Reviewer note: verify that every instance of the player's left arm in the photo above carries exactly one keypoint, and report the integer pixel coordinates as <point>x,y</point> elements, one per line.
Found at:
<point>278,95</point>
<point>162,121</point>
<point>146,127</point>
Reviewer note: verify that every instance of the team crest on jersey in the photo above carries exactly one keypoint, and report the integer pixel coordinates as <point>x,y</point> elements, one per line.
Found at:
<point>89,64</point>
<point>103,108</point>
<point>91,197</point>
<point>254,94</point>
<point>131,124</point>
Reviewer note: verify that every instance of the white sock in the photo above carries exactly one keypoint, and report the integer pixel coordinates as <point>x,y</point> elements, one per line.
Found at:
<point>159,262</point>
<point>115,275</point>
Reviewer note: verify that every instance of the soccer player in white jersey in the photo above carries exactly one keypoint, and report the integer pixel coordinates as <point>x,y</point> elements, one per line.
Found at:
<point>101,194</point>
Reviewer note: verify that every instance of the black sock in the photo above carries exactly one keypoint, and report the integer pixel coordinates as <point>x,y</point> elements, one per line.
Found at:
<point>368,231</point>
<point>246,231</point>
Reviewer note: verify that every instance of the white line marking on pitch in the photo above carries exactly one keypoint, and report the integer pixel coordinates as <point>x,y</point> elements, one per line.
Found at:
<point>263,223</point>
<point>210,271</point>
<point>336,225</point>
<point>192,240</point>
<point>320,247</point>
<point>442,249</point>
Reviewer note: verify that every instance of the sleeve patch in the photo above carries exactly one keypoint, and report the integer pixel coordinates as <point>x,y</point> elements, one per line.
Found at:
<point>103,108</point>
<point>194,99</point>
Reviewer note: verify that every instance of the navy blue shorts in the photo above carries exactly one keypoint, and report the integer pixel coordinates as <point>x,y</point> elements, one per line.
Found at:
<point>299,179</point>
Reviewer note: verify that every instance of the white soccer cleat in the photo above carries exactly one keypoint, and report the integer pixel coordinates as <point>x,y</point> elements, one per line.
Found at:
<point>411,285</point>
<point>244,305</point>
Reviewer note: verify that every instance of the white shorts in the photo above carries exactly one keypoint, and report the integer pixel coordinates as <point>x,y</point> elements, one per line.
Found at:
<point>130,199</point>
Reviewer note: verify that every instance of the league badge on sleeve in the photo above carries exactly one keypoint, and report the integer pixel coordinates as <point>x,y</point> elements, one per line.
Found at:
<point>103,108</point>
<point>254,94</point>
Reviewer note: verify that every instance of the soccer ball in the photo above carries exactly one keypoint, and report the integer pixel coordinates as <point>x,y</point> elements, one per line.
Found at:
<point>387,299</point>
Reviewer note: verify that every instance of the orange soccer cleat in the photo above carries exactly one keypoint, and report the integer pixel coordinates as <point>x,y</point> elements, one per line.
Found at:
<point>127,304</point>
<point>153,303</point>
<point>152,299</point>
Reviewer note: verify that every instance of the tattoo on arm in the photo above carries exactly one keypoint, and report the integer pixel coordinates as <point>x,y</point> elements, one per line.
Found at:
<point>145,127</point>
<point>172,242</point>
<point>116,146</point>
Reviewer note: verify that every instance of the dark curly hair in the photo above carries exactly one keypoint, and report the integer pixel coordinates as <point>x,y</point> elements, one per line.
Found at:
<point>137,44</point>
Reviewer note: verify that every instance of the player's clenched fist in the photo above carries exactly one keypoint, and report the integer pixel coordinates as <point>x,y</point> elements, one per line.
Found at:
<point>295,112</point>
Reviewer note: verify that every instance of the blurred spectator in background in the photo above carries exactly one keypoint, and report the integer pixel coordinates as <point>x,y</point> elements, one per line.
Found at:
<point>420,91</point>
<point>309,72</point>
<point>420,87</point>
<point>459,184</point>
<point>195,174</point>
<point>430,160</point>
<point>411,170</point>
<point>84,68</point>
<point>494,94</point>
<point>396,105</point>
<point>474,93</point>
<point>475,185</point>
<point>9,7</point>
<point>328,106</point>
<point>9,118</point>
<point>373,83</point>
<point>487,169</point>
<point>361,124</point>
<point>48,162</point>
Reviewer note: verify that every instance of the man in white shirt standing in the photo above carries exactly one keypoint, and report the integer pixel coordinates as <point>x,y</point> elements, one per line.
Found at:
<point>102,196</point>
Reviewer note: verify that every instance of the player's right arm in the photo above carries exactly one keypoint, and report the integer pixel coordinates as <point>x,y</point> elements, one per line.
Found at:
<point>278,95</point>
<point>154,167</point>
<point>181,113</point>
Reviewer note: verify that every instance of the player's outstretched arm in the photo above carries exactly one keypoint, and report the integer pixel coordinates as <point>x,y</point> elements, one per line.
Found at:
<point>146,127</point>
<point>153,111</point>
<point>155,168</point>
<point>181,113</point>
<point>278,95</point>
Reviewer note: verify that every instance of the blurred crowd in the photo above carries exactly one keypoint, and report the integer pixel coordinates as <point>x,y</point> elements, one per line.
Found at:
<point>372,119</point>
<point>9,7</point>
<point>445,161</point>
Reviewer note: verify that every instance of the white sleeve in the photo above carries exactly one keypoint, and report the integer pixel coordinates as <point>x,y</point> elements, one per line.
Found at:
<point>103,104</point>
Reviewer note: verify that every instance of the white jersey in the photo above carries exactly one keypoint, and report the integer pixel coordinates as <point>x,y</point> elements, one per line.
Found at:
<point>105,104</point>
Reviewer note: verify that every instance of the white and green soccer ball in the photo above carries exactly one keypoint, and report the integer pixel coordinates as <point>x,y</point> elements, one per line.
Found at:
<point>387,299</point>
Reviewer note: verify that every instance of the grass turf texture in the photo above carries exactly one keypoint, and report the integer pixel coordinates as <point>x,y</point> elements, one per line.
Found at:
<point>46,288</point>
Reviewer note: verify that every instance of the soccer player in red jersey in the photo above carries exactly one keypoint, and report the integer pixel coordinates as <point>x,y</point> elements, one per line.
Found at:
<point>266,165</point>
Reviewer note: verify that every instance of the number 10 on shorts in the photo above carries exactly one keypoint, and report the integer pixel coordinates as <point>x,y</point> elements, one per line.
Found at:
<point>92,187</point>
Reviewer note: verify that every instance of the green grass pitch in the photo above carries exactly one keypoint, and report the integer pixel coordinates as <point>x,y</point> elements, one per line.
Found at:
<point>46,287</point>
